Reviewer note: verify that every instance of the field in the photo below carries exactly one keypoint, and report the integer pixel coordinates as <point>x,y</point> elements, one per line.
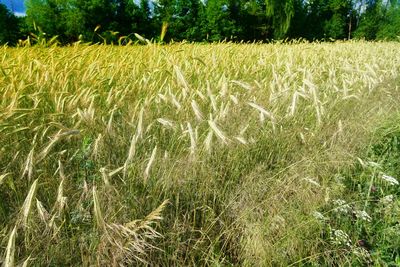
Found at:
<point>191,155</point>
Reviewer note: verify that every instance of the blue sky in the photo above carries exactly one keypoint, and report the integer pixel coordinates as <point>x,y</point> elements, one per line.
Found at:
<point>18,5</point>
<point>15,5</point>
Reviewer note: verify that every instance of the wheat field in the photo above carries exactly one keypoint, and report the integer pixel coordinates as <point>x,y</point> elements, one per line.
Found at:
<point>183,154</point>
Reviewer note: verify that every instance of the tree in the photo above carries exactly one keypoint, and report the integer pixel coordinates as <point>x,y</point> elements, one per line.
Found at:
<point>45,15</point>
<point>9,26</point>
<point>121,21</point>
<point>96,15</point>
<point>94,20</point>
<point>328,19</point>
<point>145,23</point>
<point>381,20</point>
<point>390,27</point>
<point>253,20</point>
<point>163,14</point>
<point>212,20</point>
<point>298,26</point>
<point>280,13</point>
<point>186,20</point>
<point>369,20</point>
<point>216,21</point>
<point>338,15</point>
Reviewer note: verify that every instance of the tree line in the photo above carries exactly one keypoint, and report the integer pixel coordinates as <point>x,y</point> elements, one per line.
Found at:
<point>202,20</point>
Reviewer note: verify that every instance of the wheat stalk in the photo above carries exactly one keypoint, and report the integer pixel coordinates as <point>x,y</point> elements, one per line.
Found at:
<point>196,110</point>
<point>43,214</point>
<point>131,153</point>
<point>208,141</point>
<point>28,170</point>
<point>139,128</point>
<point>192,138</point>
<point>3,177</point>
<point>263,112</point>
<point>101,225</point>
<point>26,207</point>
<point>10,251</point>
<point>181,79</point>
<point>166,123</point>
<point>150,163</point>
<point>218,132</point>
<point>47,149</point>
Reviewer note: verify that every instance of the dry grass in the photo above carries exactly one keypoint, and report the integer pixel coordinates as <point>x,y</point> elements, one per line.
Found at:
<point>243,140</point>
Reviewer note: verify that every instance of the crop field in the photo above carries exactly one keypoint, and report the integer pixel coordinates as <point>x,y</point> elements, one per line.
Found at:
<point>200,155</point>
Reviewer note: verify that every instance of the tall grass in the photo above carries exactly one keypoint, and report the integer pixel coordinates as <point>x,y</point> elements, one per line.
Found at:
<point>183,154</point>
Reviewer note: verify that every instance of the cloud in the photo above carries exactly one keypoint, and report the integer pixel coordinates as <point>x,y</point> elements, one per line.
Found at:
<point>20,14</point>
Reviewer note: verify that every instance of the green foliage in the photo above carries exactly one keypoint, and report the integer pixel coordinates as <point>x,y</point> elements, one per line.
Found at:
<point>186,22</point>
<point>364,223</point>
<point>281,14</point>
<point>390,29</point>
<point>370,21</point>
<point>46,15</point>
<point>110,21</point>
<point>217,24</point>
<point>380,21</point>
<point>9,26</point>
<point>252,20</point>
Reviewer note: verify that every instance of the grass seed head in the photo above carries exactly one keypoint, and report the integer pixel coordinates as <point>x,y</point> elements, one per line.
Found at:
<point>10,250</point>
<point>218,132</point>
<point>26,207</point>
<point>150,163</point>
<point>101,225</point>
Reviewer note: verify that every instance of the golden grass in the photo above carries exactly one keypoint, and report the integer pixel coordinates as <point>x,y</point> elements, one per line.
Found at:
<point>231,134</point>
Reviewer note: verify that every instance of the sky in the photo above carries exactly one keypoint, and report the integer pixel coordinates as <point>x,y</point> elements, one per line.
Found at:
<point>18,6</point>
<point>15,5</point>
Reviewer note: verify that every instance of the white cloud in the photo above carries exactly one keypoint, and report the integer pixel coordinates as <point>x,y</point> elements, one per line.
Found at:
<point>20,14</point>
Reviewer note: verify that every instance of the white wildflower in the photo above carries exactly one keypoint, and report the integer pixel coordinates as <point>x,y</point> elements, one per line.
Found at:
<point>342,206</point>
<point>387,199</point>
<point>361,253</point>
<point>319,216</point>
<point>339,237</point>
<point>363,215</point>
<point>391,180</point>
